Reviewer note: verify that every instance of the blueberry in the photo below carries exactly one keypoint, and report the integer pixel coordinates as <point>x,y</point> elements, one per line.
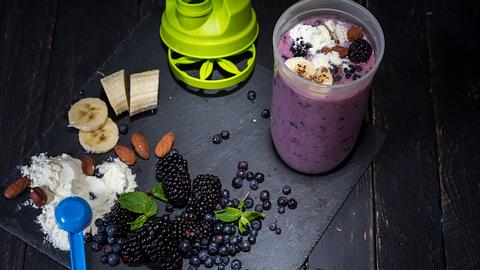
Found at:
<point>113,259</point>
<point>96,246</point>
<point>195,261</point>
<point>245,246</point>
<point>334,69</point>
<point>208,262</point>
<point>224,202</point>
<point>237,182</point>
<point>98,174</point>
<point>92,196</point>
<point>123,129</point>
<point>112,230</point>
<point>216,139</point>
<point>282,201</point>
<point>225,260</point>
<point>253,185</point>
<point>348,75</point>
<point>202,255</point>
<point>286,189</point>
<point>232,251</point>
<point>253,232</point>
<point>278,231</point>
<point>248,203</point>
<point>204,242</point>
<point>99,222</point>
<point>259,208</point>
<point>241,173</point>
<point>185,246</point>
<point>233,229</point>
<point>227,229</point>
<point>242,165</point>
<point>88,237</point>
<point>213,248</point>
<point>250,176</point>
<point>264,195</point>
<point>251,239</point>
<point>218,229</point>
<point>267,205</point>
<point>234,240</point>
<point>222,251</point>
<point>104,259</point>
<point>234,203</point>
<point>168,208</point>
<point>117,248</point>
<point>101,229</point>
<point>236,264</point>
<point>265,113</point>
<point>251,95</point>
<point>107,249</point>
<point>219,239</point>
<point>260,177</point>
<point>272,226</point>
<point>220,267</point>
<point>281,210</point>
<point>174,151</point>
<point>111,240</point>
<point>226,193</point>
<point>99,238</point>
<point>256,224</point>
<point>225,134</point>
<point>337,78</point>
<point>292,203</point>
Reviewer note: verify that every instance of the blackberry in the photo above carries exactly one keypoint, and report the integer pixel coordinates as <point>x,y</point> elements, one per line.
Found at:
<point>206,191</point>
<point>195,230</point>
<point>119,217</point>
<point>359,51</point>
<point>132,252</point>
<point>172,171</point>
<point>300,48</point>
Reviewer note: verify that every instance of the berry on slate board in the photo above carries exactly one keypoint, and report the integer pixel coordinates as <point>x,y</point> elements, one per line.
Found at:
<point>225,134</point>
<point>265,113</point>
<point>205,194</point>
<point>253,185</point>
<point>256,224</point>
<point>236,264</point>
<point>359,51</point>
<point>260,177</point>
<point>237,182</point>
<point>242,165</point>
<point>286,190</point>
<point>250,176</point>
<point>216,139</point>
<point>123,129</point>
<point>251,95</point>
<point>272,226</point>
<point>267,205</point>
<point>278,230</point>
<point>264,195</point>
<point>248,203</point>
<point>292,203</point>
<point>282,201</point>
<point>259,208</point>
<point>281,210</point>
<point>241,174</point>
<point>172,171</point>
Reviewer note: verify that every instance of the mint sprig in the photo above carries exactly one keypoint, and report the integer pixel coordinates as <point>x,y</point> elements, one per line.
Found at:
<point>159,193</point>
<point>230,214</point>
<point>140,203</point>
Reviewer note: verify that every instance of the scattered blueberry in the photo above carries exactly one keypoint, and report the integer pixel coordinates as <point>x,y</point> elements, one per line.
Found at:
<point>104,259</point>
<point>219,239</point>
<point>111,240</point>
<point>281,210</point>
<point>123,129</point>
<point>264,195</point>
<point>250,176</point>
<point>286,189</point>
<point>213,248</point>
<point>225,134</point>
<point>236,264</point>
<point>92,196</point>
<point>174,151</point>
<point>227,229</point>
<point>259,208</point>
<point>107,249</point>
<point>242,165</point>
<point>245,246</point>
<point>169,208</point>
<point>282,201</point>
<point>99,238</point>
<point>112,230</point>
<point>216,139</point>
<point>278,231</point>
<point>226,193</point>
<point>256,224</point>
<point>241,173</point>
<point>117,248</point>
<point>265,113</point>
<point>120,241</point>
<point>98,174</point>
<point>218,229</point>
<point>113,259</point>
<point>101,229</point>
<point>237,182</point>
<point>222,251</point>
<point>208,262</point>
<point>224,202</point>
<point>202,255</point>
<point>292,203</point>
<point>267,205</point>
<point>88,237</point>
<point>260,177</point>
<point>96,246</point>
<point>253,185</point>
<point>195,261</point>
<point>251,95</point>
<point>248,203</point>
<point>251,239</point>
<point>99,222</point>
<point>225,260</point>
<point>234,203</point>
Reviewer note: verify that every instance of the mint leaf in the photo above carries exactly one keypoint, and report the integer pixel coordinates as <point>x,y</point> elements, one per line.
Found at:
<point>242,224</point>
<point>134,201</point>
<point>252,215</point>
<point>159,193</point>
<point>150,209</point>
<point>138,223</point>
<point>241,204</point>
<point>228,214</point>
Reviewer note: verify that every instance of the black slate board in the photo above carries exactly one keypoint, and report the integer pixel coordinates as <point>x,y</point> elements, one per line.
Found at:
<point>194,119</point>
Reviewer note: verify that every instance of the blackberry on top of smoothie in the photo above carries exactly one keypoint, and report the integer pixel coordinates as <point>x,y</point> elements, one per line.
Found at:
<point>327,50</point>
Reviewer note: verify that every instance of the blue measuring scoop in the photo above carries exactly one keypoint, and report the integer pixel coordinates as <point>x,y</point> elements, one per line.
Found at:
<point>73,215</point>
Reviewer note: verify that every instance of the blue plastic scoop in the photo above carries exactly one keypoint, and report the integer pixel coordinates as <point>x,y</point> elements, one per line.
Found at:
<point>73,215</point>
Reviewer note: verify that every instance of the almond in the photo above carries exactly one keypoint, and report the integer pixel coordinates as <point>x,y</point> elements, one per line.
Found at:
<point>38,196</point>
<point>16,188</point>
<point>165,145</point>
<point>326,50</point>
<point>125,154</point>
<point>88,165</point>
<point>140,145</point>
<point>342,52</point>
<point>354,33</point>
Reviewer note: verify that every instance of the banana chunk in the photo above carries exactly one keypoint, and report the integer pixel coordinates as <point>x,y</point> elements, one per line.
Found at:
<point>322,76</point>
<point>115,88</point>
<point>301,66</point>
<point>143,91</point>
<point>101,140</point>
<point>88,114</point>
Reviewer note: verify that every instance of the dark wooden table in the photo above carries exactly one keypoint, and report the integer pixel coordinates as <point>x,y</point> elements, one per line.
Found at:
<point>417,206</point>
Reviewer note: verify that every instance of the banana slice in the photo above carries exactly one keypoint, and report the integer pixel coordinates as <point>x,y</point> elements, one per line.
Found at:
<point>322,76</point>
<point>101,140</point>
<point>88,114</point>
<point>143,91</point>
<point>114,86</point>
<point>301,66</point>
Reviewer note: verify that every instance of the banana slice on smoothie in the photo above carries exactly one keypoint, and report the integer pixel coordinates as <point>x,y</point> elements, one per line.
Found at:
<point>100,140</point>
<point>322,76</point>
<point>88,114</point>
<point>301,66</point>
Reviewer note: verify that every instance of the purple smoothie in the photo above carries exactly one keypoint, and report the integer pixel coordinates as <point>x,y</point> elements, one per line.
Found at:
<point>314,131</point>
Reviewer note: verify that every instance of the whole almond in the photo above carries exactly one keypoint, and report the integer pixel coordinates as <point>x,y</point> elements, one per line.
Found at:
<point>88,165</point>
<point>16,188</point>
<point>342,52</point>
<point>354,33</point>
<point>125,154</point>
<point>140,145</point>
<point>165,145</point>
<point>38,196</point>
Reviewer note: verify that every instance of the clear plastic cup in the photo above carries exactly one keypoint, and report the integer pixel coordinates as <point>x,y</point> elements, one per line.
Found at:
<point>314,127</point>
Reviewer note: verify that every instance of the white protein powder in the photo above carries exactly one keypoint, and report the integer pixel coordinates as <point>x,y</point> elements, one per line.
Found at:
<point>62,176</point>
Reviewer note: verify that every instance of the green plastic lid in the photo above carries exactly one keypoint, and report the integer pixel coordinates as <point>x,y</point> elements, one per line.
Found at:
<point>209,31</point>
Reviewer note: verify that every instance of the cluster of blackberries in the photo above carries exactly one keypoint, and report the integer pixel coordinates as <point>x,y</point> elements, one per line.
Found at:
<point>300,48</point>
<point>107,239</point>
<point>243,174</point>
